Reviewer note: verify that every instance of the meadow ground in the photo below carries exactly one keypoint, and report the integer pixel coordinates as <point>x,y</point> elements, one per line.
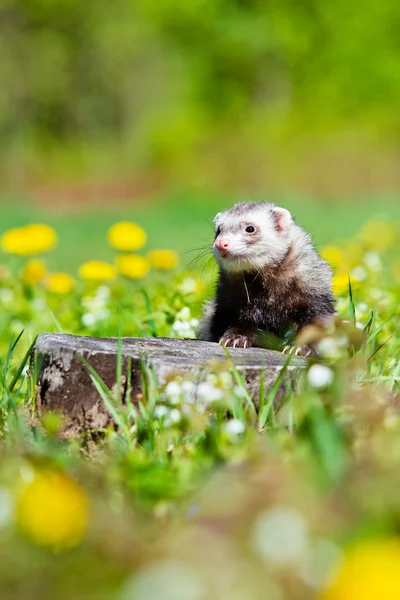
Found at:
<point>196,494</point>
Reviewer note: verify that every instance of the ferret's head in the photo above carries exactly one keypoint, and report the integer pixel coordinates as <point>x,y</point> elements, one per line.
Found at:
<point>251,236</point>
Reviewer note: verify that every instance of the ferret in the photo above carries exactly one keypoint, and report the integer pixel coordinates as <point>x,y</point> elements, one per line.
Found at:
<point>271,278</point>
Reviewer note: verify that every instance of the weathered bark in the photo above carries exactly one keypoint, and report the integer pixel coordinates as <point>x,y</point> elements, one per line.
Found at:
<point>64,384</point>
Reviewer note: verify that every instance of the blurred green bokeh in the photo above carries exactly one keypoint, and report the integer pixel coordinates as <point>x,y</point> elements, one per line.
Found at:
<point>239,92</point>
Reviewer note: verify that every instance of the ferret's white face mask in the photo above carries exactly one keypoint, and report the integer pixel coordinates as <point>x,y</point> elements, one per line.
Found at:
<point>252,239</point>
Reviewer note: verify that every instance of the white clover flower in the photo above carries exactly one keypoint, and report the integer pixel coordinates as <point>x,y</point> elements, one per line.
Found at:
<point>373,261</point>
<point>329,348</point>
<point>6,295</point>
<point>188,285</point>
<point>183,329</point>
<point>239,391</point>
<point>160,411</point>
<point>38,304</point>
<point>173,390</point>
<point>103,292</point>
<point>375,294</point>
<point>233,427</point>
<point>320,376</point>
<point>88,319</point>
<point>208,392</point>
<point>175,415</point>
<point>169,580</point>
<point>280,536</point>
<point>359,273</point>
<point>189,391</point>
<point>184,314</point>
<point>16,326</point>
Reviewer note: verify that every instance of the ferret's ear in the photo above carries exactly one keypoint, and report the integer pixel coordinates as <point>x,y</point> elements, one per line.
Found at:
<point>216,219</point>
<point>282,218</point>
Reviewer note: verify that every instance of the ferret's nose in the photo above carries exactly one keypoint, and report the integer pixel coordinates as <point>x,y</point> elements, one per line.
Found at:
<point>222,244</point>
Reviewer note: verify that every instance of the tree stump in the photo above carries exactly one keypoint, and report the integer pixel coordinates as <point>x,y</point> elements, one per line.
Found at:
<point>64,384</point>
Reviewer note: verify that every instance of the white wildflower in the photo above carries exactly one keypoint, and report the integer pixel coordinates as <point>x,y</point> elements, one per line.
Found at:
<point>175,415</point>
<point>160,411</point>
<point>89,319</point>
<point>239,391</point>
<point>280,536</point>
<point>375,293</point>
<point>208,392</point>
<point>373,261</point>
<point>169,579</point>
<point>38,304</point>
<point>359,273</point>
<point>184,314</point>
<point>189,391</point>
<point>188,285</point>
<point>328,347</point>
<point>6,295</point>
<point>173,390</point>
<point>320,376</point>
<point>233,427</point>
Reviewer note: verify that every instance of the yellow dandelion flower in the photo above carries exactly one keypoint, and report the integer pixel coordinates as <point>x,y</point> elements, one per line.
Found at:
<point>60,283</point>
<point>32,239</point>
<point>126,236</point>
<point>370,571</point>
<point>333,255</point>
<point>132,266</point>
<point>34,271</point>
<point>52,510</point>
<point>163,259</point>
<point>96,270</point>
<point>378,235</point>
<point>340,283</point>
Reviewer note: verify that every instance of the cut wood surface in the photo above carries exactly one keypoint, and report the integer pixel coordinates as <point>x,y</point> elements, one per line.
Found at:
<point>64,384</point>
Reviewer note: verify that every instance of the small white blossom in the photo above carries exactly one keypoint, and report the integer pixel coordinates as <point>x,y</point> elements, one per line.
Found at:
<point>6,295</point>
<point>320,376</point>
<point>373,261</point>
<point>280,536</point>
<point>89,319</point>
<point>239,391</point>
<point>208,392</point>
<point>188,285</point>
<point>175,415</point>
<point>38,304</point>
<point>184,314</point>
<point>233,427</point>
<point>375,294</point>
<point>359,273</point>
<point>329,348</point>
<point>160,411</point>
<point>173,390</point>
<point>189,390</point>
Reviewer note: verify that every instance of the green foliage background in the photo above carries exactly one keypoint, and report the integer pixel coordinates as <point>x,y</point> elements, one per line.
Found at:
<point>146,84</point>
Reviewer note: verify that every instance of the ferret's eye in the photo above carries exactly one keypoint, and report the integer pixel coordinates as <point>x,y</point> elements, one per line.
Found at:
<point>218,231</point>
<point>250,229</point>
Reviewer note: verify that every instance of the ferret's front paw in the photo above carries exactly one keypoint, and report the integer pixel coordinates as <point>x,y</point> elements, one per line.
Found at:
<point>236,340</point>
<point>299,351</point>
